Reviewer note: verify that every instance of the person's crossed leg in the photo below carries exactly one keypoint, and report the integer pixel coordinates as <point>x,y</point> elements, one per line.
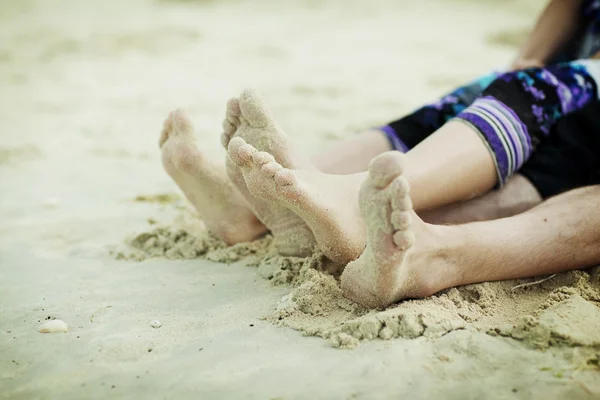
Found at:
<point>408,258</point>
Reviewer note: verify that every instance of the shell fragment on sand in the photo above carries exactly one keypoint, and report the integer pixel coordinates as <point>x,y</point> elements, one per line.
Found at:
<point>155,323</point>
<point>53,326</point>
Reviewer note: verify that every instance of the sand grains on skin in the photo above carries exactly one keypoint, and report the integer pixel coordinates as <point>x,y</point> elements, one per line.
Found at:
<point>374,279</point>
<point>205,184</point>
<point>337,228</point>
<point>249,119</point>
<point>392,266</point>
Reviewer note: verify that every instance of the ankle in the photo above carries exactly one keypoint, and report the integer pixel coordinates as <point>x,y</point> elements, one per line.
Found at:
<point>247,231</point>
<point>439,264</point>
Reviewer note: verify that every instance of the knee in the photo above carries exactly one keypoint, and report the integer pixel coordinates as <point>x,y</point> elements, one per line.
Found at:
<point>507,86</point>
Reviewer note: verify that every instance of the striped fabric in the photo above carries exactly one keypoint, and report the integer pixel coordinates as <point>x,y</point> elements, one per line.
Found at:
<point>503,131</point>
<point>395,142</point>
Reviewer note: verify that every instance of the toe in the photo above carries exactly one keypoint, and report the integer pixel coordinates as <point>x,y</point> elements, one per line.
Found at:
<point>398,193</point>
<point>253,109</point>
<point>181,122</point>
<point>235,145</point>
<point>404,239</point>
<point>398,187</point>
<point>233,108</point>
<point>166,130</point>
<point>164,135</point>
<point>177,124</point>
<point>401,203</point>
<point>270,169</point>
<point>228,127</point>
<point>235,121</point>
<point>400,219</point>
<point>225,138</point>
<point>284,177</point>
<point>384,168</point>
<point>261,158</point>
<point>247,152</point>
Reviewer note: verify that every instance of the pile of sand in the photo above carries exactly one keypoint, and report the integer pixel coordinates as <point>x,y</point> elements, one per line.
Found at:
<point>561,310</point>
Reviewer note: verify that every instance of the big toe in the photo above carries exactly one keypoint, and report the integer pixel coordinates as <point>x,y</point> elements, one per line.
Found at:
<point>384,168</point>
<point>177,124</point>
<point>240,152</point>
<point>253,109</point>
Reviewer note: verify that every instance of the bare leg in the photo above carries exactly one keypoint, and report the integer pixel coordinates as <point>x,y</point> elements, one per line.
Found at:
<point>449,166</point>
<point>516,196</point>
<point>327,203</point>
<point>352,155</point>
<point>407,258</point>
<point>205,184</point>
<point>454,149</point>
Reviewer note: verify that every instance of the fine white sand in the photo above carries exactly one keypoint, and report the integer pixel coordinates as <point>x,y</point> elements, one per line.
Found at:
<point>84,89</point>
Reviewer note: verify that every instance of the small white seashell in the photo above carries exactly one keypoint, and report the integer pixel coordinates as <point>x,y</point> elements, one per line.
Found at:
<point>53,326</point>
<point>155,323</point>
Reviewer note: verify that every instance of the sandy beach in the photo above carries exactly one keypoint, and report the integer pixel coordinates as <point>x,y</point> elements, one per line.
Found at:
<point>94,232</point>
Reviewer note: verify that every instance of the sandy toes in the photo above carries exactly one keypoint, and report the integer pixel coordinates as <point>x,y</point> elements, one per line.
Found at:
<point>205,184</point>
<point>248,118</point>
<point>401,259</point>
<point>327,203</point>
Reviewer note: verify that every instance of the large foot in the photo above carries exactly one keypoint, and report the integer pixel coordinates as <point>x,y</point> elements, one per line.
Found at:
<point>205,184</point>
<point>327,203</point>
<point>404,256</point>
<point>248,118</point>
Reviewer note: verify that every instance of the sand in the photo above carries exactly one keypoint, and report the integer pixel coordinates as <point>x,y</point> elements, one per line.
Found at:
<point>558,310</point>
<point>85,87</point>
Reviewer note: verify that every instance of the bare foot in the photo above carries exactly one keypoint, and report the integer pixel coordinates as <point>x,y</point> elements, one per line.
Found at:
<point>205,184</point>
<point>248,118</point>
<point>404,255</point>
<point>327,203</point>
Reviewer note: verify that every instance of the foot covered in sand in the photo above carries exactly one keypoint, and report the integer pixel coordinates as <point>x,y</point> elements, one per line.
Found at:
<point>402,258</point>
<point>205,184</point>
<point>248,119</point>
<point>322,201</point>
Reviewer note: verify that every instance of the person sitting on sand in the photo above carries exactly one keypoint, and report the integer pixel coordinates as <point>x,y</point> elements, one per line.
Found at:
<point>511,123</point>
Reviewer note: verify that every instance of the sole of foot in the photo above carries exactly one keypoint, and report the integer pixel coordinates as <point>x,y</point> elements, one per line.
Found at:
<point>321,200</point>
<point>248,118</point>
<point>205,184</point>
<point>401,249</point>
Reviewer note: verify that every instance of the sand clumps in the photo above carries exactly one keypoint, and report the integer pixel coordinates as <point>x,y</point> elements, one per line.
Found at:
<point>563,312</point>
<point>560,311</point>
<point>186,239</point>
<point>317,308</point>
<point>572,322</point>
<point>179,244</point>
